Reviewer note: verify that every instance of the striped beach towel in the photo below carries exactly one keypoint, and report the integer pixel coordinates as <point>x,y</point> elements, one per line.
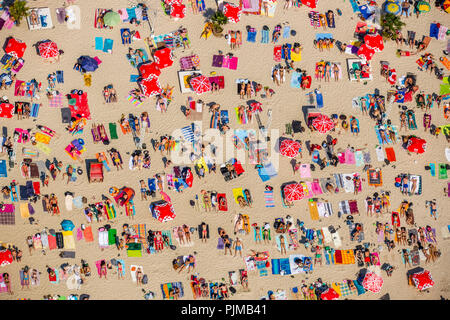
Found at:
<point>268,197</point>
<point>141,231</point>
<point>188,133</point>
<point>344,207</point>
<point>134,101</point>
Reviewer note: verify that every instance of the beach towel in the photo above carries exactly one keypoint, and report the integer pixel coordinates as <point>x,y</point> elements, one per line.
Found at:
<point>98,43</point>
<point>380,153</point>
<point>313,211</point>
<point>268,198</point>
<point>359,158</point>
<point>265,38</point>
<point>112,236</point>
<point>108,45</point>
<point>7,215</point>
<point>24,210</point>
<point>88,236</point>
<point>69,241</point>
<point>390,154</point>
<point>52,242</point>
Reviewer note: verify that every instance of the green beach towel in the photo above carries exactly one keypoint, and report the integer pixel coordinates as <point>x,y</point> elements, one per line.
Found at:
<point>112,236</point>
<point>113,130</point>
<point>442,171</point>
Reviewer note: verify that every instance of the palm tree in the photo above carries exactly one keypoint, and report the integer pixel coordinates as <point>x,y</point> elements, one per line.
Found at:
<point>18,10</point>
<point>218,19</point>
<point>390,24</point>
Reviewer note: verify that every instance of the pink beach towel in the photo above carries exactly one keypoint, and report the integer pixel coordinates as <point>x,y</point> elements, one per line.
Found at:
<point>17,87</point>
<point>310,189</point>
<point>123,14</point>
<point>305,171</point>
<point>233,63</point>
<point>98,60</point>
<point>341,157</point>
<point>349,157</point>
<point>79,234</point>
<point>316,187</point>
<point>97,264</point>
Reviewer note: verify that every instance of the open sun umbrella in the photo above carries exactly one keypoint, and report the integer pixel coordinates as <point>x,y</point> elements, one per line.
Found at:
<point>232,12</point>
<point>289,148</point>
<point>15,47</point>
<point>149,69</point>
<point>329,294</point>
<point>177,10</point>
<point>374,42</point>
<point>323,124</point>
<point>200,84</point>
<point>423,280</point>
<point>5,258</point>
<point>150,86</point>
<point>67,225</point>
<point>392,7</point>
<point>365,52</point>
<point>423,6</point>
<point>111,18</point>
<point>416,145</point>
<point>48,50</point>
<point>372,282</point>
<point>256,107</point>
<point>294,191</point>
<point>163,211</point>
<point>163,58</point>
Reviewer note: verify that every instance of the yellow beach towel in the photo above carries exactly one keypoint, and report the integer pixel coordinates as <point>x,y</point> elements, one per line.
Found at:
<point>296,56</point>
<point>236,193</point>
<point>40,137</point>
<point>24,212</point>
<point>313,211</point>
<point>44,148</point>
<point>69,241</point>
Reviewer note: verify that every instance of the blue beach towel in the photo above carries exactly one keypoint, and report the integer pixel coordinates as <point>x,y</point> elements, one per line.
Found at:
<point>108,45</point>
<point>134,77</point>
<point>286,32</point>
<point>98,43</point>
<point>354,5</point>
<point>251,36</point>
<point>295,79</point>
<point>265,36</point>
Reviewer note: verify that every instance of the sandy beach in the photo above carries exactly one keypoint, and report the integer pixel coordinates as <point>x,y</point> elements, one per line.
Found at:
<point>255,63</point>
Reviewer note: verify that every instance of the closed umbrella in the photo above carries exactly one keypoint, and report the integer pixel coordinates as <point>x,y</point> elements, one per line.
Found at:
<point>200,84</point>
<point>111,18</point>
<point>67,225</point>
<point>323,123</point>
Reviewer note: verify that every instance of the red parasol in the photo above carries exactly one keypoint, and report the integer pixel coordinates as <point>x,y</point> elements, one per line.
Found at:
<point>310,3</point>
<point>323,124</point>
<point>15,47</point>
<point>164,212</point>
<point>149,69</point>
<point>232,12</point>
<point>256,106</point>
<point>374,42</point>
<point>372,282</point>
<point>416,145</point>
<point>6,110</point>
<point>177,10</point>
<point>289,148</point>
<point>392,79</point>
<point>150,86</point>
<point>293,191</point>
<point>329,294</point>
<point>48,50</point>
<point>163,58</point>
<point>5,258</point>
<point>365,52</point>
<point>200,84</point>
<point>423,280</point>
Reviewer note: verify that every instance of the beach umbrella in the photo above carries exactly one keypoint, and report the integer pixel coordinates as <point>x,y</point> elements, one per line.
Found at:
<point>294,191</point>
<point>289,148</point>
<point>374,42</point>
<point>446,6</point>
<point>323,123</point>
<point>423,6</point>
<point>150,86</point>
<point>365,52</point>
<point>111,18</point>
<point>163,212</point>
<point>48,50</point>
<point>423,280</point>
<point>149,69</point>
<point>392,7</point>
<point>177,10</point>
<point>416,145</point>
<point>87,63</point>
<point>329,294</point>
<point>67,225</point>
<point>309,3</point>
<point>6,110</point>
<point>200,84</point>
<point>163,58</point>
<point>5,258</point>
<point>232,12</point>
<point>256,106</point>
<point>392,79</point>
<point>372,282</point>
<point>15,47</point>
